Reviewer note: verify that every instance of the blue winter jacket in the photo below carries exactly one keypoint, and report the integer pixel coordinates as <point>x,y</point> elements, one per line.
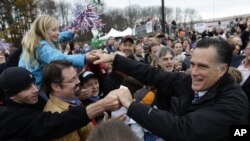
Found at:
<point>47,53</point>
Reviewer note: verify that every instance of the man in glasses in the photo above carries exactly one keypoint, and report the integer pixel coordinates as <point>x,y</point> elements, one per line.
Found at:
<point>62,83</point>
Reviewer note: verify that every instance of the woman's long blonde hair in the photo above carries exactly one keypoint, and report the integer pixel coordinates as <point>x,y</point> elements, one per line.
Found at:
<point>31,39</point>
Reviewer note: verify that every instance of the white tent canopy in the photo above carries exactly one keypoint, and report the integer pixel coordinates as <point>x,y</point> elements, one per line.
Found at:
<point>115,33</point>
<point>127,31</point>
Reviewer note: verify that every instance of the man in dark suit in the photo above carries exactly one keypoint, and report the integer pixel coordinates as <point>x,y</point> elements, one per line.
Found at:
<point>204,104</point>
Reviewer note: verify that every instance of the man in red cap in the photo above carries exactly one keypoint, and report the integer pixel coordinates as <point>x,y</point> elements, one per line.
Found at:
<point>127,47</point>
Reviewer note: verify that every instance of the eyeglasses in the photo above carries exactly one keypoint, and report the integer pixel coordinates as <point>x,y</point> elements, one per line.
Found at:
<point>73,80</point>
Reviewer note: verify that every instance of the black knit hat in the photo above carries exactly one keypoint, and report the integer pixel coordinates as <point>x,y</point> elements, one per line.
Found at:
<point>14,80</point>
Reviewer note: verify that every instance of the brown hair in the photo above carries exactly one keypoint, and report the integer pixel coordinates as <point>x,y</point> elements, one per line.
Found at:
<point>52,73</point>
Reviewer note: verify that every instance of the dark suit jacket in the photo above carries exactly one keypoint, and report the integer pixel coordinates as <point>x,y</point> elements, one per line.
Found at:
<point>208,119</point>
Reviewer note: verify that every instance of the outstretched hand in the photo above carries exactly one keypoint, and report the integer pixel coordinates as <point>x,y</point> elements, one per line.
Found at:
<point>103,57</point>
<point>91,56</point>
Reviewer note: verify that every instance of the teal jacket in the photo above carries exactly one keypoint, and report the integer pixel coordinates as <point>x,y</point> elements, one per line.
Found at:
<point>47,53</point>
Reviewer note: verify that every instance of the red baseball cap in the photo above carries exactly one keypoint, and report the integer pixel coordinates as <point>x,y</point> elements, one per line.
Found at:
<point>128,38</point>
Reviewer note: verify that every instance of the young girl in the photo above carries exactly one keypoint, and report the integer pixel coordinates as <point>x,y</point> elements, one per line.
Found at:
<point>41,46</point>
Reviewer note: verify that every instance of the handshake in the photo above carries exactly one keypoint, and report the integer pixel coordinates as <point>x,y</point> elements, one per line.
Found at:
<point>117,98</point>
<point>122,97</point>
<point>111,102</point>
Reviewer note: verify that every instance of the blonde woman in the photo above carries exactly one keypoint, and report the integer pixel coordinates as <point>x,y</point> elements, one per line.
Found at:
<point>41,46</point>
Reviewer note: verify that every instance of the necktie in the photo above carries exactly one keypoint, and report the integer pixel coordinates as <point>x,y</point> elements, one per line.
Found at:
<point>196,97</point>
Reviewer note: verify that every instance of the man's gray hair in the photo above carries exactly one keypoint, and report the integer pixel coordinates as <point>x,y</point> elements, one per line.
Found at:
<point>163,51</point>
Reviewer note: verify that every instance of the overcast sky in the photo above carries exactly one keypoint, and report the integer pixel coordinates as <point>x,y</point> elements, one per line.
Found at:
<point>208,9</point>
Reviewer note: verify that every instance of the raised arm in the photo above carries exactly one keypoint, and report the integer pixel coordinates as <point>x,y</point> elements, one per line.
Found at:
<point>142,72</point>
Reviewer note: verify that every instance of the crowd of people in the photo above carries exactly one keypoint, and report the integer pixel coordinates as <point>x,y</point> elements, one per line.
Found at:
<point>152,88</point>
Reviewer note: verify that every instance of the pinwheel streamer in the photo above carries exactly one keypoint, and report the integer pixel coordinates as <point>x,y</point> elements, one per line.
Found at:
<point>87,18</point>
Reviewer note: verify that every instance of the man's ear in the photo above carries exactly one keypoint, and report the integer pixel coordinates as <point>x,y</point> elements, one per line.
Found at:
<point>56,86</point>
<point>15,98</point>
<point>223,69</point>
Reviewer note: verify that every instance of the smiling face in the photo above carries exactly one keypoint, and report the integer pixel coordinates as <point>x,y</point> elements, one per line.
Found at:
<point>205,72</point>
<point>53,32</point>
<point>127,47</point>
